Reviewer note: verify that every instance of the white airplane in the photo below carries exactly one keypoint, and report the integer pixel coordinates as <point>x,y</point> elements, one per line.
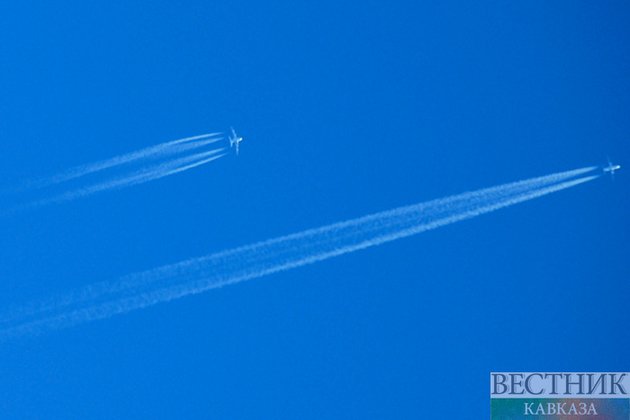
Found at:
<point>235,140</point>
<point>611,168</point>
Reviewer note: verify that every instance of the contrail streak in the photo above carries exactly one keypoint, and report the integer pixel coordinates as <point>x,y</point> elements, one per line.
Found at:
<point>105,299</point>
<point>138,177</point>
<point>160,150</point>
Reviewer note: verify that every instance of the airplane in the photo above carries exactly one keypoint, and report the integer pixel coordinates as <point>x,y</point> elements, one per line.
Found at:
<point>611,168</point>
<point>235,140</point>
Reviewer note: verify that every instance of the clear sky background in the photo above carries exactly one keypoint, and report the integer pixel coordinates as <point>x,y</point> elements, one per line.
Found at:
<point>346,108</point>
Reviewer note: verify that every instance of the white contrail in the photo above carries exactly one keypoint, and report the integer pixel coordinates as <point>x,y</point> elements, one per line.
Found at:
<point>138,177</point>
<point>96,290</point>
<point>160,150</point>
<point>194,276</point>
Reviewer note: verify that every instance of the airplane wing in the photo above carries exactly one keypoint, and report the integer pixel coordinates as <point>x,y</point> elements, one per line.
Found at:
<point>233,132</point>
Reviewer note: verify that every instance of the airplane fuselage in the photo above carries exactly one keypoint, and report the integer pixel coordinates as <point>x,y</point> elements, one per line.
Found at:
<point>612,168</point>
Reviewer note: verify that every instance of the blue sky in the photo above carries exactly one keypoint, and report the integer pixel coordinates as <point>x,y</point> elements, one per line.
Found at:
<point>347,109</point>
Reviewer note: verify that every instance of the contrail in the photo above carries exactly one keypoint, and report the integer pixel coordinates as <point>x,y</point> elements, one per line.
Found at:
<point>105,299</point>
<point>141,176</point>
<point>160,150</point>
